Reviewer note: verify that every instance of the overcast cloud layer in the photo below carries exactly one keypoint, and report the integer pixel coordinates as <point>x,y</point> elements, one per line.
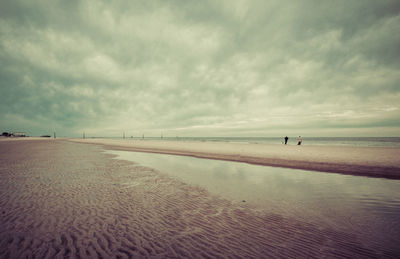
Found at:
<point>200,68</point>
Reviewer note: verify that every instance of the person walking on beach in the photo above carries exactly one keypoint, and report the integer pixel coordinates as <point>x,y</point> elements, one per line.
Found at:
<point>299,139</point>
<point>286,139</point>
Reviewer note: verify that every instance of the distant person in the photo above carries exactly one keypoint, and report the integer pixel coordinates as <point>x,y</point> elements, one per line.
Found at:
<point>286,139</point>
<point>299,139</point>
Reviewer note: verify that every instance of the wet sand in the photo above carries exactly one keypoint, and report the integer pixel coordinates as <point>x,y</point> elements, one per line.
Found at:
<point>365,161</point>
<point>64,199</point>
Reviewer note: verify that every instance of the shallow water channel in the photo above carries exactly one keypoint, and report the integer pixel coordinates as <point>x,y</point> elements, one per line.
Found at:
<point>367,207</point>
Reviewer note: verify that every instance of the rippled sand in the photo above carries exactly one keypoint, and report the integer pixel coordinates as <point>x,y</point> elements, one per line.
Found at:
<point>63,199</point>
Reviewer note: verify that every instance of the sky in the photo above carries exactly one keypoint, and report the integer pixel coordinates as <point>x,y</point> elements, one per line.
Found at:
<point>200,68</point>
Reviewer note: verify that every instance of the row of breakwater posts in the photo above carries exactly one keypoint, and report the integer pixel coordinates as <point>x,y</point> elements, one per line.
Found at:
<point>123,135</point>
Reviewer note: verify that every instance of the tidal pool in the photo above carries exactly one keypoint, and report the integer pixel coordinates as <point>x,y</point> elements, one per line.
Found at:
<point>354,204</point>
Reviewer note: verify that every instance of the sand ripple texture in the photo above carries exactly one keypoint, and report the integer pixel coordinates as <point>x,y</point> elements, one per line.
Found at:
<point>67,200</point>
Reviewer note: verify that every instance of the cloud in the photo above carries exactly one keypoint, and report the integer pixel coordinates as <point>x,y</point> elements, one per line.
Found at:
<point>200,68</point>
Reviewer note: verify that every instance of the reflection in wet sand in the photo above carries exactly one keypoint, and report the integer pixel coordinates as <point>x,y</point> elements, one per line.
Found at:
<point>349,203</point>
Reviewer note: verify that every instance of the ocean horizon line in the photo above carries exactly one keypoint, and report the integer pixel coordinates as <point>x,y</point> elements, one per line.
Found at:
<point>336,141</point>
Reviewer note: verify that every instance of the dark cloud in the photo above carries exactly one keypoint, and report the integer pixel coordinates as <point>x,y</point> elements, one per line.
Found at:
<point>226,67</point>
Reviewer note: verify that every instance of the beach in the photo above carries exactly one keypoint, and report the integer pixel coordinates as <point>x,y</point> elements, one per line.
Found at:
<point>65,199</point>
<point>365,161</point>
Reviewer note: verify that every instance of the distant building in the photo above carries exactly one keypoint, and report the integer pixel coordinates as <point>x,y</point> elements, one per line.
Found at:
<point>19,134</point>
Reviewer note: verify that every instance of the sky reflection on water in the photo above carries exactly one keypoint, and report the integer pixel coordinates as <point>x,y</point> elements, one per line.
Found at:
<point>351,203</point>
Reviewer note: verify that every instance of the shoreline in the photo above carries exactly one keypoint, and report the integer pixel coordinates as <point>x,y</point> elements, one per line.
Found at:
<point>64,199</point>
<point>382,162</point>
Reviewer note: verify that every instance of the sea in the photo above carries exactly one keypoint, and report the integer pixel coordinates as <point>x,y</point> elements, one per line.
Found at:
<point>317,141</point>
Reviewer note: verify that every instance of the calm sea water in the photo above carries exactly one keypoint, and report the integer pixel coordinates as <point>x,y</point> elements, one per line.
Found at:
<point>326,141</point>
<point>366,207</point>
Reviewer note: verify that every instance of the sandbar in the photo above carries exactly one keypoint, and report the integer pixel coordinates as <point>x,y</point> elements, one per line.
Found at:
<point>364,161</point>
